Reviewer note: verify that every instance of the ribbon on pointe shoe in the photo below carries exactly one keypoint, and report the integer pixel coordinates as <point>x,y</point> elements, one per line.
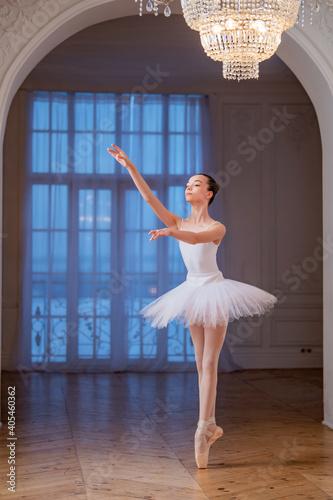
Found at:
<point>213,435</point>
<point>201,444</point>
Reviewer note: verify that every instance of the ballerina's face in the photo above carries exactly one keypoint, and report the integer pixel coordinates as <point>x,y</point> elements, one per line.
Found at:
<point>197,190</point>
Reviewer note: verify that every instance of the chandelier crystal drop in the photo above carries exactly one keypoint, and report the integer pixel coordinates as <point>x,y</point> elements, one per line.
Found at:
<point>153,5</point>
<point>240,33</point>
<point>310,8</point>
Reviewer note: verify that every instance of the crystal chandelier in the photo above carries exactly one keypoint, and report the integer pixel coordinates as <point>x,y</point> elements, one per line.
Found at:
<point>240,33</point>
<point>152,6</point>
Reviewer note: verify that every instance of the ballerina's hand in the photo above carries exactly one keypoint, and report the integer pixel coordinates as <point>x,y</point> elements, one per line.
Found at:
<point>120,156</point>
<point>157,233</point>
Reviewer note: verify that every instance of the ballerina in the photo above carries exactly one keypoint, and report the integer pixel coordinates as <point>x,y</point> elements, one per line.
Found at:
<point>206,302</point>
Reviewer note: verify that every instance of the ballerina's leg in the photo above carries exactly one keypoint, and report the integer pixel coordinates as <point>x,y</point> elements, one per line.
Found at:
<point>208,344</point>
<point>198,339</point>
<point>213,342</point>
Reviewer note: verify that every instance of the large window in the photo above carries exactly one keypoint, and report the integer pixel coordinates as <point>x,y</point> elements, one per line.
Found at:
<point>92,266</point>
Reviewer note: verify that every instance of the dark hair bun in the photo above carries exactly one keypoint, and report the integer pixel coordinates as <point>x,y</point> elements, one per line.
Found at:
<point>212,186</point>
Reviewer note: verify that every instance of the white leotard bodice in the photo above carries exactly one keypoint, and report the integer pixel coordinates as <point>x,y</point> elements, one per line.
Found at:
<point>200,259</point>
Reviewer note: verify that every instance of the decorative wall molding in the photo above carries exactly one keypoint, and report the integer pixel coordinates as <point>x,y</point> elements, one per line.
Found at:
<point>301,129</point>
<point>323,22</point>
<point>21,20</point>
<point>302,331</point>
<point>244,119</point>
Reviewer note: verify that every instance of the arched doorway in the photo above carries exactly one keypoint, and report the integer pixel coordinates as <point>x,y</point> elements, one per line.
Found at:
<point>44,29</point>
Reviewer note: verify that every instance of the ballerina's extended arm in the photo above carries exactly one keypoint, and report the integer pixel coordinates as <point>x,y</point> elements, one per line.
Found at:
<point>168,218</point>
<point>171,220</point>
<point>215,233</point>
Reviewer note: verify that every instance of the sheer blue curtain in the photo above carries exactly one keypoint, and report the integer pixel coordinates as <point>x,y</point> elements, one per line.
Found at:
<point>88,266</point>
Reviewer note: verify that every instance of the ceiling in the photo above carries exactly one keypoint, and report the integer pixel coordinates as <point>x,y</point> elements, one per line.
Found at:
<point>122,55</point>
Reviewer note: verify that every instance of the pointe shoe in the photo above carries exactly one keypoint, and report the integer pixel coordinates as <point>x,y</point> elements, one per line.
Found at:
<point>201,444</point>
<point>216,434</point>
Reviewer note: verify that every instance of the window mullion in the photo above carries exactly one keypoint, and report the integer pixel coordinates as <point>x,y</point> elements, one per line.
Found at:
<point>95,236</point>
<point>49,281</point>
<point>72,252</point>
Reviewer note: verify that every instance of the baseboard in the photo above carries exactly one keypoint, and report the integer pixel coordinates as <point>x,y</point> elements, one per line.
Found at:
<point>257,360</point>
<point>328,424</point>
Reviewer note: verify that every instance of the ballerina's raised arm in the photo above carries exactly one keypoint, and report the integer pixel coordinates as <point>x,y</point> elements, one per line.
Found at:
<point>168,218</point>
<point>171,220</point>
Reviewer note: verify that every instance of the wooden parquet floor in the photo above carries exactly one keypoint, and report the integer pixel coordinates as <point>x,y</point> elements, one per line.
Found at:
<point>129,436</point>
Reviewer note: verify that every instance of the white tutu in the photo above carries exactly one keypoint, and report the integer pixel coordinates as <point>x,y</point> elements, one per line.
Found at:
<point>208,299</point>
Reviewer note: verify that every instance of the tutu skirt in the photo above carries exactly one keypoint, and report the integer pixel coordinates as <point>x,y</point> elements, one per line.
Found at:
<point>208,299</point>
